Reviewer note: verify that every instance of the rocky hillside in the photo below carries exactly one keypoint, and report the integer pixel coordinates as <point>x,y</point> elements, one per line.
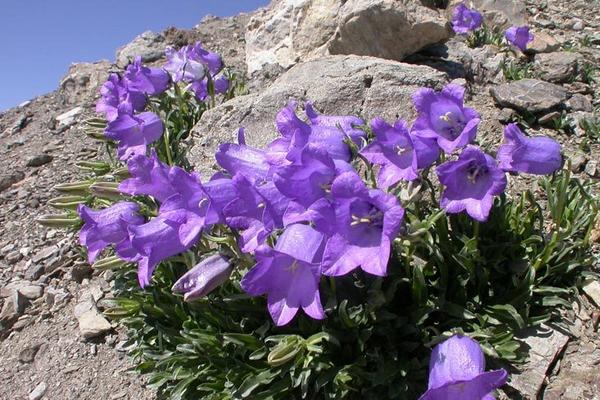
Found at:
<point>362,57</point>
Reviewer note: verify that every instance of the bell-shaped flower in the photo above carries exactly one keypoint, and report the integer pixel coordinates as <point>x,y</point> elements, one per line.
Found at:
<point>134,133</point>
<point>204,277</point>
<point>307,179</point>
<point>346,123</point>
<point>426,150</point>
<point>149,176</point>
<point>457,371</point>
<point>442,116</point>
<point>471,182</point>
<point>289,274</point>
<point>394,151</point>
<point>151,81</point>
<point>532,155</point>
<point>115,96</point>
<point>211,60</point>
<point>366,221</point>
<point>184,64</point>
<point>465,20</point>
<point>242,159</point>
<point>108,226</point>
<point>519,36</point>
<point>200,88</point>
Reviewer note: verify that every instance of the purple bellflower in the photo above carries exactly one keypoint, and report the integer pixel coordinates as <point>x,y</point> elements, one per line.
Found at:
<point>149,176</point>
<point>366,221</point>
<point>190,63</point>
<point>457,371</point>
<point>243,159</point>
<point>426,150</point>
<point>116,97</point>
<point>346,123</point>
<point>309,178</point>
<point>203,278</point>
<point>134,133</point>
<point>471,182</point>
<point>465,20</point>
<point>184,64</point>
<point>108,226</point>
<point>531,155</point>
<point>200,88</point>
<point>442,116</point>
<point>289,274</point>
<point>519,36</point>
<point>151,81</point>
<point>394,151</point>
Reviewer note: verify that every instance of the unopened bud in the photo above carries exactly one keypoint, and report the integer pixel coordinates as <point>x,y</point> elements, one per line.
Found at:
<point>66,202</point>
<point>106,190</point>
<point>80,187</point>
<point>59,220</point>
<point>205,277</point>
<point>96,167</point>
<point>109,263</point>
<point>285,351</point>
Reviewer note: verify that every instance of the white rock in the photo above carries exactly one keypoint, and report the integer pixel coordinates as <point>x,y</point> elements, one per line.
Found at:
<point>38,392</point>
<point>69,117</point>
<point>295,30</point>
<point>32,292</point>
<point>592,289</point>
<point>93,324</point>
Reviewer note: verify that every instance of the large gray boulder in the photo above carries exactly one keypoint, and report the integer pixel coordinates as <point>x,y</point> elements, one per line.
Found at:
<point>149,45</point>
<point>337,85</point>
<point>296,30</point>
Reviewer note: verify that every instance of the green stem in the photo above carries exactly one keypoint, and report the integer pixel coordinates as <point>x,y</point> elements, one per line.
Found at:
<point>168,146</point>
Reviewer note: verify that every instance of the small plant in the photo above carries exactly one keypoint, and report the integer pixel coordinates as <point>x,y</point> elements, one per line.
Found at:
<point>484,36</point>
<point>588,73</point>
<point>515,70</point>
<point>563,123</point>
<point>586,41</point>
<point>591,127</point>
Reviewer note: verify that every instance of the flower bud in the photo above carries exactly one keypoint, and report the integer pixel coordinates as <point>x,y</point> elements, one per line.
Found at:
<point>109,263</point>
<point>202,279</point>
<point>106,190</point>
<point>66,202</point>
<point>59,220</point>
<point>80,187</point>
<point>286,350</point>
<point>96,167</point>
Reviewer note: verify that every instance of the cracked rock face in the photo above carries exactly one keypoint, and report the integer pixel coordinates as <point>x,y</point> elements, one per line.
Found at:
<point>293,30</point>
<point>362,86</point>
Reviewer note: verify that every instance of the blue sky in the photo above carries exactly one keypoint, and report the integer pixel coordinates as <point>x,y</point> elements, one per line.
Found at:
<point>40,38</point>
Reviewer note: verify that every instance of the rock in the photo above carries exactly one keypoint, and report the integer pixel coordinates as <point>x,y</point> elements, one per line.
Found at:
<point>45,253</point>
<point>92,324</point>
<point>498,13</point>
<point>13,257</point>
<point>38,160</point>
<point>80,271</point>
<point>70,117</point>
<point>592,289</point>
<point>578,161</point>
<point>507,115</point>
<point>34,271</point>
<point>591,168</point>
<point>27,355</point>
<point>10,178</point>
<point>31,292</point>
<point>83,81</point>
<point>292,30</point>
<point>577,25</point>
<point>543,345</point>
<point>542,43</point>
<point>364,86</point>
<point>38,392</point>
<point>149,45</point>
<point>548,119</point>
<point>14,306</point>
<point>56,297</point>
<point>531,95</point>
<point>579,102</point>
<point>558,67</point>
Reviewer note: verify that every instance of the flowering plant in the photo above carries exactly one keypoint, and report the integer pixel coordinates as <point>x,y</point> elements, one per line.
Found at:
<point>325,264</point>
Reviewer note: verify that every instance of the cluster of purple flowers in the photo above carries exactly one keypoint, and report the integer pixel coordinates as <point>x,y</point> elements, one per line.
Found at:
<point>304,192</point>
<point>466,20</point>
<point>124,98</point>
